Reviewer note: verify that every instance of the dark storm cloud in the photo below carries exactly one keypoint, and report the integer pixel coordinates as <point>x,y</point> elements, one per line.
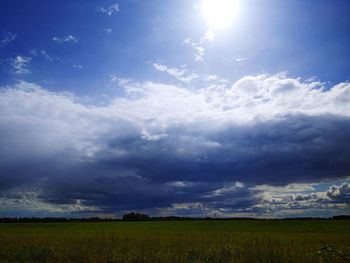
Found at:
<point>169,146</point>
<point>295,149</point>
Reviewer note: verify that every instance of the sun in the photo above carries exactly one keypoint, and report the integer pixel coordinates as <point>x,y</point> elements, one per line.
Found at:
<point>220,14</point>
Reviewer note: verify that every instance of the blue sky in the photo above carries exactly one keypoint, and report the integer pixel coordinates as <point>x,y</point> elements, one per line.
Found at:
<point>300,37</point>
<point>247,119</point>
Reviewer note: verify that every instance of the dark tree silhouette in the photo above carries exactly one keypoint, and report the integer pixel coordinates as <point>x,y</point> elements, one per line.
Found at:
<point>135,217</point>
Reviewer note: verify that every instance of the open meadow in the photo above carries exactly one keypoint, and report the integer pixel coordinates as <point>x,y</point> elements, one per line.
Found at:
<point>177,241</point>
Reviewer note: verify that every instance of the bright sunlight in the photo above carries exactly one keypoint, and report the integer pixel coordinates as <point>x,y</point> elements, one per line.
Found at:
<point>220,14</point>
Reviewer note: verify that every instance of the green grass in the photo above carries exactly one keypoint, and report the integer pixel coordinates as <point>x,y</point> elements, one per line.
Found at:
<point>189,241</point>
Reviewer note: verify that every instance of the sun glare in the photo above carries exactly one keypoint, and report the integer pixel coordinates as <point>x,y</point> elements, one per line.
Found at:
<point>220,14</point>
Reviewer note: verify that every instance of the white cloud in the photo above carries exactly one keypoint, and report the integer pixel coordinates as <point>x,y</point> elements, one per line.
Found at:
<point>152,137</point>
<point>20,64</point>
<point>199,50</point>
<point>237,186</point>
<point>110,10</point>
<point>198,46</point>
<point>288,189</point>
<point>66,39</point>
<point>77,66</point>
<point>108,30</point>
<point>199,57</point>
<point>208,36</point>
<point>241,59</point>
<point>120,81</point>
<point>179,74</point>
<point>58,119</point>
<point>7,38</point>
<point>341,191</point>
<point>248,100</point>
<point>211,77</point>
<point>44,54</point>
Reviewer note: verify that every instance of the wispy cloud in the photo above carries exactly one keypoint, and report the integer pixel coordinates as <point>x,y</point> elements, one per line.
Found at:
<point>108,30</point>
<point>179,74</point>
<point>20,64</point>
<point>211,77</point>
<point>241,59</point>
<point>199,46</point>
<point>120,81</point>
<point>7,37</point>
<point>66,39</point>
<point>44,54</point>
<point>199,50</point>
<point>208,36</point>
<point>110,10</point>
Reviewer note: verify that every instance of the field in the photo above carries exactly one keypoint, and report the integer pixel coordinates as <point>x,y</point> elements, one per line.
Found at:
<point>175,241</point>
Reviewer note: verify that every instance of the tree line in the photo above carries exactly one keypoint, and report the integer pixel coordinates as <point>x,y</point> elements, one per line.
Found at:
<point>134,216</point>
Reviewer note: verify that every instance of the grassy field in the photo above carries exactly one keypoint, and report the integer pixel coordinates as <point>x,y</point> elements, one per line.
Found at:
<point>188,241</point>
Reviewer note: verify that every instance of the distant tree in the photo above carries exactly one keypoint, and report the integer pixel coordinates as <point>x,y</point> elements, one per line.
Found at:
<point>135,217</point>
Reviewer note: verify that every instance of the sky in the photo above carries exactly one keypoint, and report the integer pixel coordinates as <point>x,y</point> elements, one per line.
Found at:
<point>226,108</point>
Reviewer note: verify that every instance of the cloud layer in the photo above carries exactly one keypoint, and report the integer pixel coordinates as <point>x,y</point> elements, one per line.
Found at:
<point>166,148</point>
